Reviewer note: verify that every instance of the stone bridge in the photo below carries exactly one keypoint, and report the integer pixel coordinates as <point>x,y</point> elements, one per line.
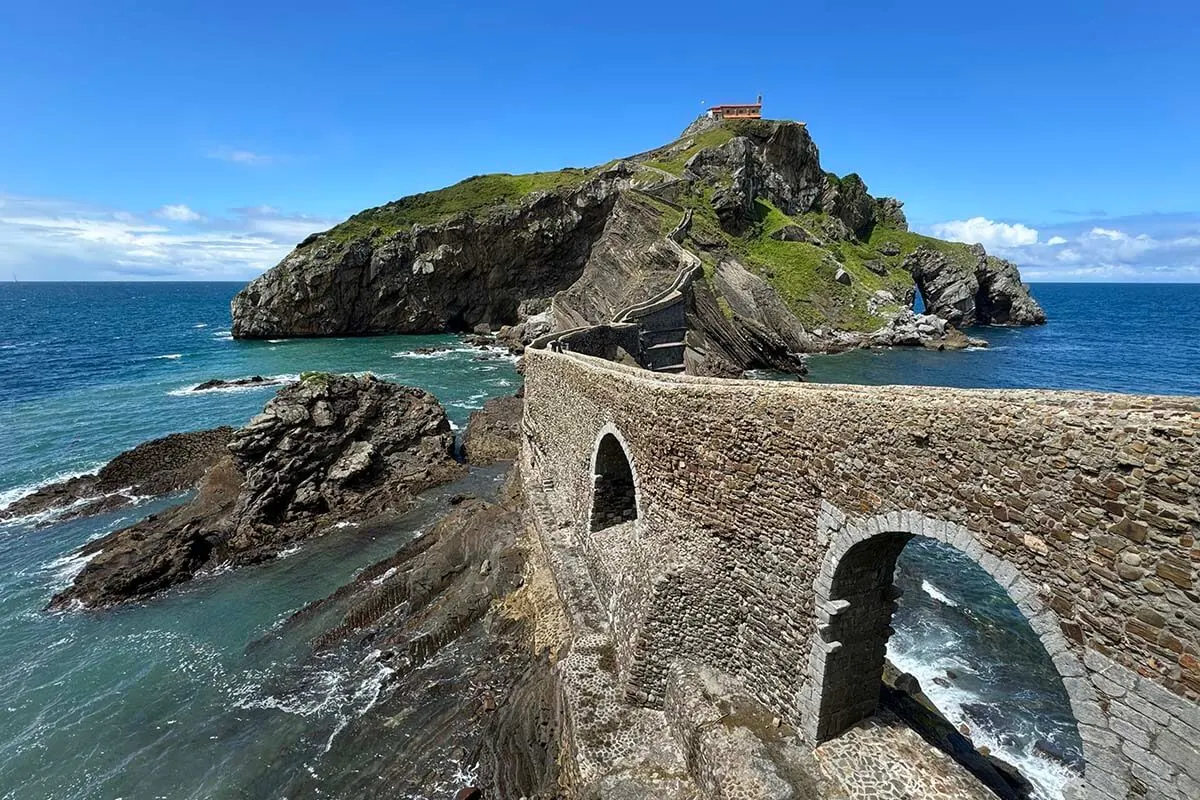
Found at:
<point>753,526</point>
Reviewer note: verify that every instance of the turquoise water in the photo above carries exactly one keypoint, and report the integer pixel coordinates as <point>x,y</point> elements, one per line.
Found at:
<point>952,619</point>
<point>204,693</point>
<point>179,697</point>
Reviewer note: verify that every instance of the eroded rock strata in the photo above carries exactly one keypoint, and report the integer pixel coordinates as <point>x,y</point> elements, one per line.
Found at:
<point>157,467</point>
<point>326,449</point>
<point>790,259</point>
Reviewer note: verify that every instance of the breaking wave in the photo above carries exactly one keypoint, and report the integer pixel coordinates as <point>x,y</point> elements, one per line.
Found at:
<point>269,382</point>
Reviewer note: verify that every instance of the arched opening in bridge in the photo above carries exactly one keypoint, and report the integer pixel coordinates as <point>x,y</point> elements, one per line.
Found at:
<point>614,496</point>
<point>935,613</point>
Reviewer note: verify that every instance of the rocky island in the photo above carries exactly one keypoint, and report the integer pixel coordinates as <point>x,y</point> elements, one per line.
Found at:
<point>685,588</point>
<point>787,258</point>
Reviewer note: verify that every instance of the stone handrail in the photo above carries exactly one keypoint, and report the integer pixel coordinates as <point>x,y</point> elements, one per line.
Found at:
<point>626,316</point>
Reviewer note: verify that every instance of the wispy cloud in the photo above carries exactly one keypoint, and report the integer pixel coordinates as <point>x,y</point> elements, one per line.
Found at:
<point>1090,214</point>
<point>246,157</point>
<point>178,213</point>
<point>1147,247</point>
<point>47,239</point>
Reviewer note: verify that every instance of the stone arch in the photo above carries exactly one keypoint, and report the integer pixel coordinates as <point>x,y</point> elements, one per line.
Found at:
<point>615,489</point>
<point>854,598</point>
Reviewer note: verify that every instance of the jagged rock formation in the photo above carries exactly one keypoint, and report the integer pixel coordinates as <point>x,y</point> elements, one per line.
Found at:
<point>450,274</point>
<point>474,589</point>
<point>327,449</point>
<point>153,468</point>
<point>494,432</point>
<point>976,290</point>
<point>787,250</point>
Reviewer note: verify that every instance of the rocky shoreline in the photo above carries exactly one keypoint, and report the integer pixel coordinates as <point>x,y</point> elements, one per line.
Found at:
<point>161,466</point>
<point>327,450</point>
<point>793,260</point>
<point>474,593</point>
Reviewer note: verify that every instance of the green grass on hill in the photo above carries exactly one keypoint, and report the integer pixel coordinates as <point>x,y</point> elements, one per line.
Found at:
<point>672,161</point>
<point>958,253</point>
<point>470,196</point>
<point>803,273</point>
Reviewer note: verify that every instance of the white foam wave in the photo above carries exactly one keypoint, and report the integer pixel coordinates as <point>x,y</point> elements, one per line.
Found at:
<point>200,325</point>
<point>341,694</point>
<point>10,496</point>
<point>224,336</point>
<point>65,568</point>
<point>270,382</point>
<point>1049,778</point>
<point>288,551</point>
<point>436,354</point>
<point>937,594</point>
<point>472,402</point>
<point>379,581</point>
<point>170,356</point>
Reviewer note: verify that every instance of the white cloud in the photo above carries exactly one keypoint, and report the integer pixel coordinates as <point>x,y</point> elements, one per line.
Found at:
<point>48,239</point>
<point>1147,247</point>
<point>245,157</point>
<point>178,213</point>
<point>992,235</point>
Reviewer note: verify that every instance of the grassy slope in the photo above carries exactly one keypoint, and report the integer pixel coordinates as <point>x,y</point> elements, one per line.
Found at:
<point>471,196</point>
<point>802,273</point>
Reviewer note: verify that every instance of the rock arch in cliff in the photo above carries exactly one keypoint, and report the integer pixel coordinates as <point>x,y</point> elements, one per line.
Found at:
<point>855,598</point>
<point>614,482</point>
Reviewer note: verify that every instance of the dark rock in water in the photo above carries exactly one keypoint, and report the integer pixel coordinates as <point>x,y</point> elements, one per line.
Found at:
<point>256,380</point>
<point>479,339</point>
<point>470,682</point>
<point>1019,783</point>
<point>469,793</point>
<point>326,449</point>
<point>1052,751</point>
<point>494,432</point>
<point>989,718</point>
<point>986,291</point>
<point>157,467</point>
<point>919,713</point>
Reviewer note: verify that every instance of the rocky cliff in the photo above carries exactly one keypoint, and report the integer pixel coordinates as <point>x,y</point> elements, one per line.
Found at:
<point>326,451</point>
<point>794,259</point>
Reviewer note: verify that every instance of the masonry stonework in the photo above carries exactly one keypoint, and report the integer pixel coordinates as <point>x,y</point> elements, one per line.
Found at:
<point>769,516</point>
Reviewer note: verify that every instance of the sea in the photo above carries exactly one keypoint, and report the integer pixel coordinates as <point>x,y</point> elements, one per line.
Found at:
<point>178,697</point>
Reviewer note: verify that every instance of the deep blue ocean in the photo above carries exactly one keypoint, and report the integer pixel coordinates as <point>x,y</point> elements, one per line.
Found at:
<point>170,699</point>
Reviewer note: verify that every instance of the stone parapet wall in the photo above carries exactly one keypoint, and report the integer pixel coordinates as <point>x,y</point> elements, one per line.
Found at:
<point>1092,500</point>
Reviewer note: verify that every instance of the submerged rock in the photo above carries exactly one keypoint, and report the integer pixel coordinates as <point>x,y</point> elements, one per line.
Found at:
<point>327,449</point>
<point>494,432</point>
<point>157,467</point>
<point>256,380</point>
<point>468,652</point>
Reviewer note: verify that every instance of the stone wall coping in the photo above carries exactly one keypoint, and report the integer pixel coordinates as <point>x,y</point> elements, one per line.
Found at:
<point>1048,398</point>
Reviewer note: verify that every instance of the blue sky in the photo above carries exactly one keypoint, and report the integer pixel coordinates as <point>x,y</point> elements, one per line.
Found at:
<point>202,140</point>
